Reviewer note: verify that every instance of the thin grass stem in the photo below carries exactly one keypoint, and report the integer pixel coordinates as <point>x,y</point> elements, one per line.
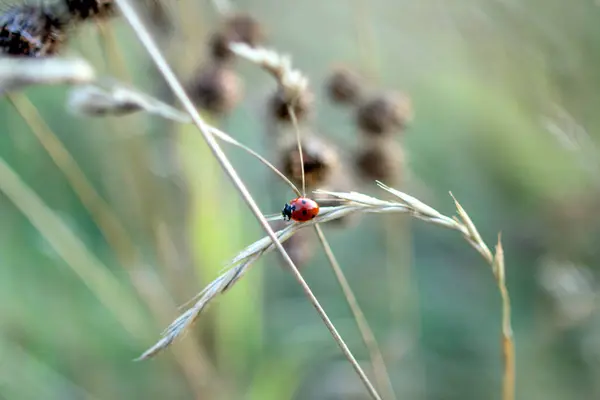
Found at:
<point>299,143</point>
<point>144,36</point>
<point>379,369</point>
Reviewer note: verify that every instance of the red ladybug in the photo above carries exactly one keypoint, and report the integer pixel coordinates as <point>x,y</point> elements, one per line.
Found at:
<point>301,209</point>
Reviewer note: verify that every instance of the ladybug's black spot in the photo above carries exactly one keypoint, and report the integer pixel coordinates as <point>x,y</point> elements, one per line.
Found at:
<point>304,212</point>
<point>313,216</point>
<point>303,201</point>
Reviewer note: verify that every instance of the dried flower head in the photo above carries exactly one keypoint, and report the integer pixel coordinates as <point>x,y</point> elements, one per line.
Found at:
<point>241,28</point>
<point>30,31</point>
<point>216,88</point>
<point>381,160</point>
<point>344,86</point>
<point>280,103</point>
<point>383,114</point>
<point>88,9</point>
<point>320,161</point>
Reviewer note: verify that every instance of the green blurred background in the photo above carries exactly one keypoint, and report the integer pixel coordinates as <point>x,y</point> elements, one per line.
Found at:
<point>505,94</point>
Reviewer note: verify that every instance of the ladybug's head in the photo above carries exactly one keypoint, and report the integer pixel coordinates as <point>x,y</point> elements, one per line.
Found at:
<point>287,212</point>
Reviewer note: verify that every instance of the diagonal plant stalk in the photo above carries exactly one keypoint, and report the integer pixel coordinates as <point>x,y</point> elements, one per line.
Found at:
<point>144,36</point>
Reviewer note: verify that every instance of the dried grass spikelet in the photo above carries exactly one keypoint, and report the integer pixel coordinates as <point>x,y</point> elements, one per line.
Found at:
<point>351,203</point>
<point>344,86</point>
<point>340,181</point>
<point>216,88</point>
<point>113,98</point>
<point>239,27</point>
<point>320,161</point>
<point>31,31</point>
<point>84,10</point>
<point>384,114</point>
<point>16,73</point>
<point>292,88</point>
<point>380,159</point>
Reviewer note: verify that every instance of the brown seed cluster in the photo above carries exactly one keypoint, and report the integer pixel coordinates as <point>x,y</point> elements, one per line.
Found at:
<point>30,32</point>
<point>320,162</point>
<point>216,89</point>
<point>240,27</point>
<point>384,114</point>
<point>378,118</point>
<point>89,9</point>
<point>280,104</point>
<point>344,86</point>
<point>41,29</point>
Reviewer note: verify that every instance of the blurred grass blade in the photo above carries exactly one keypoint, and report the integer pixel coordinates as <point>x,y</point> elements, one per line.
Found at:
<point>16,73</point>
<point>67,245</point>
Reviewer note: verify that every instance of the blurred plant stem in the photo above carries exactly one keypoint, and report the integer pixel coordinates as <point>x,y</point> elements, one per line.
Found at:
<point>379,369</point>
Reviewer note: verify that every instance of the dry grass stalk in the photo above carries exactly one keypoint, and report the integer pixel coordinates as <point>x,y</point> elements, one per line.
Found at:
<point>360,203</point>
<point>142,32</point>
<point>16,73</point>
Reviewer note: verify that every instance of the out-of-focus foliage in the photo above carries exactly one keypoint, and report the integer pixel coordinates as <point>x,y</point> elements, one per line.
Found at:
<point>505,94</point>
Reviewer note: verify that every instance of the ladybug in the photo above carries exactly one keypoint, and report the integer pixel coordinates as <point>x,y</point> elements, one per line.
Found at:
<point>301,209</point>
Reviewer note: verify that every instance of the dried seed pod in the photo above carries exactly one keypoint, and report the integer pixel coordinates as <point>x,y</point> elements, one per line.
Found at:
<point>216,89</point>
<point>88,9</point>
<point>384,114</point>
<point>380,160</point>
<point>280,101</point>
<point>320,161</point>
<point>344,86</point>
<point>31,32</point>
<point>239,27</point>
